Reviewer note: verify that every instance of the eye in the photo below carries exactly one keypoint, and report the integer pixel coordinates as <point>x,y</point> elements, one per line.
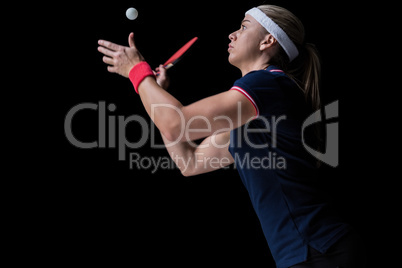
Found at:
<point>243,27</point>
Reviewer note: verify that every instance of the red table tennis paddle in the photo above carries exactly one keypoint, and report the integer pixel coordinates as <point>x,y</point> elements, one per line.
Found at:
<point>179,54</point>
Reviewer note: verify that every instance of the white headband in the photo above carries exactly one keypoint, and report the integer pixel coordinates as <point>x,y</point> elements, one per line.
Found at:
<point>276,31</point>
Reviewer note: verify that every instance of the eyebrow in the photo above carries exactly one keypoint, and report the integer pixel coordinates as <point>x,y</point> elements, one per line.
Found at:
<point>245,21</point>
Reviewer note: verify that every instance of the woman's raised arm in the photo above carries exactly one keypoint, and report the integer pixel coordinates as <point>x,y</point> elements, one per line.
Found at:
<point>209,116</point>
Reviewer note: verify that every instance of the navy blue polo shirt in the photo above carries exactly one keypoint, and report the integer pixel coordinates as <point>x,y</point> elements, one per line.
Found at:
<point>278,172</point>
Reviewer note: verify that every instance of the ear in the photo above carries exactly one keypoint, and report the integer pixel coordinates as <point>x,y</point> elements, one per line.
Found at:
<point>267,42</point>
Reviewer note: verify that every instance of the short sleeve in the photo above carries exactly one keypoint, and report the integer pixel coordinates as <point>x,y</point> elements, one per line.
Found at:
<point>262,90</point>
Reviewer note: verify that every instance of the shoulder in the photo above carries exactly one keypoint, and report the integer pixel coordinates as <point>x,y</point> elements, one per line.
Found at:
<point>267,90</point>
<point>258,87</point>
<point>271,79</point>
<point>261,77</point>
<point>258,81</point>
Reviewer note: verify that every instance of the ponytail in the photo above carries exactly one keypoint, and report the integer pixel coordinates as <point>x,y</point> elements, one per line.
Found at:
<point>305,70</point>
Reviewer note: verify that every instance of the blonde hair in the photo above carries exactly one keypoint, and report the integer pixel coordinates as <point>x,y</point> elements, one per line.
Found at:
<point>305,70</point>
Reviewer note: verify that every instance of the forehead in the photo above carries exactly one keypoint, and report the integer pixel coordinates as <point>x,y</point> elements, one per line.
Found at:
<point>249,18</point>
<point>253,23</point>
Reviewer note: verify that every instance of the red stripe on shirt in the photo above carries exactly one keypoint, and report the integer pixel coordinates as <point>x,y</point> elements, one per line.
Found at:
<point>242,91</point>
<point>276,70</point>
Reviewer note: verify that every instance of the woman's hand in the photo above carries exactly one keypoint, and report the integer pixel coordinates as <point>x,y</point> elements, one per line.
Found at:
<point>162,79</point>
<point>121,59</point>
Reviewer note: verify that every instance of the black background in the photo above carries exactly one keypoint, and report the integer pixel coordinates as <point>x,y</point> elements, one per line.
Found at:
<point>95,209</point>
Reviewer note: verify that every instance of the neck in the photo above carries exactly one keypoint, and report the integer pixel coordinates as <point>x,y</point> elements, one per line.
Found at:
<point>254,67</point>
<point>259,64</point>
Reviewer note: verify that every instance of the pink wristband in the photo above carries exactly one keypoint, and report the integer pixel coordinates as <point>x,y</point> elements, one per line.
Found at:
<point>139,72</point>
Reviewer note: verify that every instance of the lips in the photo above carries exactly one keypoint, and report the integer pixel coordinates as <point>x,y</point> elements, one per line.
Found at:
<point>230,47</point>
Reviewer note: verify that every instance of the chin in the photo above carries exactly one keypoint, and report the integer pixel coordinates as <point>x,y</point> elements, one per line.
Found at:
<point>232,60</point>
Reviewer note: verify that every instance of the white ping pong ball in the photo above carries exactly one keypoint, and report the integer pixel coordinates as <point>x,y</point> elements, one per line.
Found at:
<point>131,13</point>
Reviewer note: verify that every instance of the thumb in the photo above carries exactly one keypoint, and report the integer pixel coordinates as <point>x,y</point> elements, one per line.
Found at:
<point>131,40</point>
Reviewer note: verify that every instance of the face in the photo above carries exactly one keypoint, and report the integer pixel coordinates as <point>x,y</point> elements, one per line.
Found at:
<point>245,45</point>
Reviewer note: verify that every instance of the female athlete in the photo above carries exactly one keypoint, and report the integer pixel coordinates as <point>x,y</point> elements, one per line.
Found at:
<point>257,125</point>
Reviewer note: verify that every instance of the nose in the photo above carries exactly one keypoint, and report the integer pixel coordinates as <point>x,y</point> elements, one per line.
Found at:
<point>233,36</point>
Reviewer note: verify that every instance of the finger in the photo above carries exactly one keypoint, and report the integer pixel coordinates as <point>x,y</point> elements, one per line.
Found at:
<point>131,42</point>
<point>108,60</point>
<point>162,70</point>
<point>110,45</point>
<point>112,69</point>
<point>106,51</point>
